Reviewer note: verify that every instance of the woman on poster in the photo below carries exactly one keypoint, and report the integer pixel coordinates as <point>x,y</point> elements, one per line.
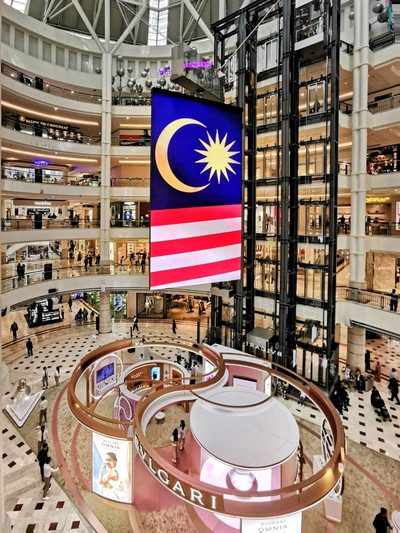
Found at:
<point>109,478</point>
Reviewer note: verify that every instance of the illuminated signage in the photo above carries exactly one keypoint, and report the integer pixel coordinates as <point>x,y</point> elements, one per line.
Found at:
<point>197,64</point>
<point>36,122</point>
<point>111,468</point>
<point>41,162</point>
<point>290,524</point>
<point>42,202</point>
<point>181,489</point>
<point>164,71</point>
<point>377,199</point>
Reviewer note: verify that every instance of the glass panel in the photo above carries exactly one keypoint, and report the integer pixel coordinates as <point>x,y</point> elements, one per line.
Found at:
<point>33,46</point>
<point>19,39</point>
<point>46,51</point>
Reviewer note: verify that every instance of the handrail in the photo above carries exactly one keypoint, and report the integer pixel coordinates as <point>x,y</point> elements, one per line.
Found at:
<point>17,224</point>
<point>32,277</point>
<point>50,88</point>
<point>54,179</point>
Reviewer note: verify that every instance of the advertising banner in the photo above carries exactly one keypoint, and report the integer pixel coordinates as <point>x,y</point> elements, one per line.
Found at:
<point>112,468</point>
<point>195,191</point>
<point>290,524</point>
<point>397,216</point>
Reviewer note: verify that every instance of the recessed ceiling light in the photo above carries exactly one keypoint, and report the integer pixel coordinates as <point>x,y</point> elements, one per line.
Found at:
<point>55,109</point>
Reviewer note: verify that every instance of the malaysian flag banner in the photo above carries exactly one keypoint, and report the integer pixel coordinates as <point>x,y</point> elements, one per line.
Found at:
<point>195,191</point>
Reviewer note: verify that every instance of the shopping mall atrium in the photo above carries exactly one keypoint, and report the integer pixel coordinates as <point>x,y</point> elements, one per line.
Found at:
<point>210,371</point>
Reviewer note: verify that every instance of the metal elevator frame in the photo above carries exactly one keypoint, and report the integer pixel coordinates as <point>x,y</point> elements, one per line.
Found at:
<point>244,25</point>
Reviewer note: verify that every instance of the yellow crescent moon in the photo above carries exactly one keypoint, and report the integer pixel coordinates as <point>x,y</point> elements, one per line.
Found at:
<point>161,155</point>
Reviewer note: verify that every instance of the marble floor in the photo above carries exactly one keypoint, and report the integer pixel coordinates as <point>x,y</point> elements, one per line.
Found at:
<point>372,465</point>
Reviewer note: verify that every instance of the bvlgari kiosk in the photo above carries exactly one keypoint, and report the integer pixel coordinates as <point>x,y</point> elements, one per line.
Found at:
<point>241,467</point>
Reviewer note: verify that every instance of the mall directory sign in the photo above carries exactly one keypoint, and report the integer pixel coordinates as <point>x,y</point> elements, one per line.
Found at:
<point>195,191</point>
<point>112,468</point>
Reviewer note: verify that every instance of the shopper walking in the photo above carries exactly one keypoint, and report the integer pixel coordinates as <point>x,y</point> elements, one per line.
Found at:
<point>47,469</point>
<point>174,444</point>
<point>57,374</point>
<point>173,326</point>
<point>381,522</point>
<point>29,347</point>
<point>62,312</point>
<point>135,324</point>
<point>45,378</point>
<point>42,457</point>
<point>394,389</point>
<point>182,434</point>
<point>43,411</point>
<point>70,303</point>
<point>42,437</point>
<point>14,329</point>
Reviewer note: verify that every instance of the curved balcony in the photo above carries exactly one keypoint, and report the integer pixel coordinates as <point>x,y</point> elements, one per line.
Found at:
<point>93,97</point>
<point>9,224</point>
<point>62,271</point>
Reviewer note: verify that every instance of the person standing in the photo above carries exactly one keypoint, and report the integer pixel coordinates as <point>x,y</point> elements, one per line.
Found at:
<point>174,444</point>
<point>394,389</point>
<point>381,522</point>
<point>42,437</point>
<point>62,312</point>
<point>45,378</point>
<point>29,347</point>
<point>367,360</point>
<point>57,374</point>
<point>70,303</point>
<point>173,326</point>
<point>135,324</point>
<point>42,457</point>
<point>47,470</point>
<point>394,300</point>
<point>43,410</point>
<point>182,435</point>
<point>14,329</point>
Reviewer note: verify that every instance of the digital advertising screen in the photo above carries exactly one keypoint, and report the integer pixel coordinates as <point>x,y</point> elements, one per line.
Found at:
<point>195,191</point>
<point>155,373</point>
<point>104,372</point>
<point>397,215</point>
<point>112,468</point>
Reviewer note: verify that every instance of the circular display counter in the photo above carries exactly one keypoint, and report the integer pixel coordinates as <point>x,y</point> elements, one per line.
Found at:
<point>241,453</point>
<point>244,428</point>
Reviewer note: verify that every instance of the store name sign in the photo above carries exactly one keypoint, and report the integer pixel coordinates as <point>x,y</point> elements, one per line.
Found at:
<point>42,202</point>
<point>197,64</point>
<point>377,199</point>
<point>36,122</point>
<point>183,490</point>
<point>290,524</point>
<point>164,71</point>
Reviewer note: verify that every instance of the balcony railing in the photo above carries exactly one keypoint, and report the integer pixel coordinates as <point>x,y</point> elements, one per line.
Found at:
<point>65,272</point>
<point>25,174</point>
<point>9,224</point>
<point>372,299</point>
<point>37,83</point>
<point>388,229</point>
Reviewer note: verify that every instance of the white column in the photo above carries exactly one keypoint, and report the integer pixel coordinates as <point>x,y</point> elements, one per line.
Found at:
<point>105,312</point>
<point>3,387</point>
<point>105,158</point>
<point>359,139</point>
<point>356,348</point>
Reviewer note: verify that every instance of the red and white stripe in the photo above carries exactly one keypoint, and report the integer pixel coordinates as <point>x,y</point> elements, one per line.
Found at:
<point>195,245</point>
